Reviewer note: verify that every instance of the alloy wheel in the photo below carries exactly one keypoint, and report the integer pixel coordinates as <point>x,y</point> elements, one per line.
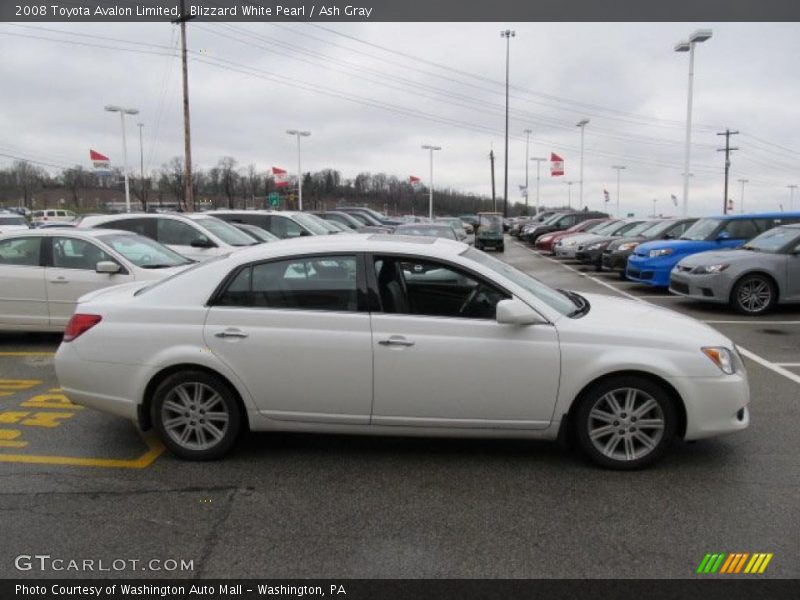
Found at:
<point>195,416</point>
<point>626,424</point>
<point>754,295</point>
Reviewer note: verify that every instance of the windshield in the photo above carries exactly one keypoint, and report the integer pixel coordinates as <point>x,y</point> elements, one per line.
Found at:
<point>552,219</point>
<point>773,240</point>
<point>262,235</point>
<point>143,252</point>
<point>329,227</point>
<point>311,223</point>
<point>623,228</point>
<point>641,228</point>
<point>601,225</point>
<point>701,230</point>
<point>13,221</point>
<point>443,231</point>
<point>658,229</point>
<point>226,232</point>
<point>490,222</point>
<point>549,296</point>
<point>608,228</point>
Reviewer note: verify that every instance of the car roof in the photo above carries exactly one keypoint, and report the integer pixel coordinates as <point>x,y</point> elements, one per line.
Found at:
<point>771,215</point>
<point>62,231</point>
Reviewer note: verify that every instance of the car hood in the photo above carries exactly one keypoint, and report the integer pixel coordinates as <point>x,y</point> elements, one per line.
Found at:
<point>596,239</point>
<point>619,319</point>
<point>728,256</point>
<point>583,238</point>
<point>677,246</point>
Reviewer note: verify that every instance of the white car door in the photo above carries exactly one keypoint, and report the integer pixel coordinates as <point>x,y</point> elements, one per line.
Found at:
<point>72,273</point>
<point>442,360</point>
<point>23,298</point>
<point>295,333</point>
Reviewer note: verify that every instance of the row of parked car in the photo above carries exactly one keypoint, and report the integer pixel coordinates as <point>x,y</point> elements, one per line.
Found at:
<point>750,262</point>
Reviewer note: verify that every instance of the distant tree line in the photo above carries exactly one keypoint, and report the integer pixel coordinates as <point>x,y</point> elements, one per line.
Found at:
<point>227,185</point>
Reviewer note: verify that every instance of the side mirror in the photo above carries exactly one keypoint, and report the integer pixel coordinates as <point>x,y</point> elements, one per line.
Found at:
<point>723,235</point>
<point>516,312</point>
<point>201,242</point>
<point>304,233</point>
<point>107,266</point>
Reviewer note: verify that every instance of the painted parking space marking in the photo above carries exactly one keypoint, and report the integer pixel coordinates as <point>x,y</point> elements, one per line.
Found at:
<point>746,322</point>
<point>27,418</point>
<point>774,367</point>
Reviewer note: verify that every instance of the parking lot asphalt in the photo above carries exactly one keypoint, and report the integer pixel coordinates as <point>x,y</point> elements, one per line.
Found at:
<point>78,484</point>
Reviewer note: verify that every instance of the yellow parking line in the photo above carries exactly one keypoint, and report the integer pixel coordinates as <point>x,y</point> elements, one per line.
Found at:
<point>155,448</point>
<point>27,353</point>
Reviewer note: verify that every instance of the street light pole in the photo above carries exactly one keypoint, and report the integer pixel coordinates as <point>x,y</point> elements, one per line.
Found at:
<point>539,161</point>
<point>507,34</point>
<point>582,124</point>
<point>527,149</point>
<point>430,186</point>
<point>741,200</point>
<point>701,35</point>
<point>141,161</point>
<point>618,169</point>
<point>654,207</point>
<point>299,134</point>
<point>122,112</point>
<point>792,188</point>
<point>569,193</point>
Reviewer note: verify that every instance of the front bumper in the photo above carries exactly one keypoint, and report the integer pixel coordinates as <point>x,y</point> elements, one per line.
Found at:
<point>708,288</point>
<point>615,261</point>
<point>714,405</point>
<point>650,271</point>
<point>591,257</point>
<point>565,251</point>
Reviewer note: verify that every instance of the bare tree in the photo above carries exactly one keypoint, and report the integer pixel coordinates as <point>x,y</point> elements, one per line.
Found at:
<point>228,177</point>
<point>27,179</point>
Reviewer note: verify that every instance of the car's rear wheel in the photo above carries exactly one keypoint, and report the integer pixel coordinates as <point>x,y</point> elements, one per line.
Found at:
<point>197,415</point>
<point>626,422</point>
<point>754,295</point>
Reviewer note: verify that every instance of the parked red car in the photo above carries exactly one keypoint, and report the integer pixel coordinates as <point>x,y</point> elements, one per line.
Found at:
<point>545,242</point>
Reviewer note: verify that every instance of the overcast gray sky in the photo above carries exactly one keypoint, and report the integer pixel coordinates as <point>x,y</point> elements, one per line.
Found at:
<point>372,93</point>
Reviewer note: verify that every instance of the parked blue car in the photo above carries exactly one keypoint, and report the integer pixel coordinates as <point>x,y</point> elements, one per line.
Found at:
<point>652,262</point>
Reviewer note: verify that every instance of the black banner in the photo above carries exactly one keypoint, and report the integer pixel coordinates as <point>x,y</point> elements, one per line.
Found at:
<point>734,588</point>
<point>401,10</point>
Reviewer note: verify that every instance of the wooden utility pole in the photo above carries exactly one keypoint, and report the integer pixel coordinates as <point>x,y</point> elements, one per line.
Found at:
<point>187,138</point>
<point>494,198</point>
<point>727,150</point>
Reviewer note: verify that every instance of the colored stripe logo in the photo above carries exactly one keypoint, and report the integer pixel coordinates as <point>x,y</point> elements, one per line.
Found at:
<point>734,563</point>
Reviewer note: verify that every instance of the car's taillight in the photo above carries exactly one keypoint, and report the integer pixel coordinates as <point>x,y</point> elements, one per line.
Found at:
<point>80,324</point>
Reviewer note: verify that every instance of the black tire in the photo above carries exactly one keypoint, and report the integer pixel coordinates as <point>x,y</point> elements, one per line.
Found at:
<point>214,390</point>
<point>478,246</point>
<point>587,422</point>
<point>501,248</point>
<point>754,295</point>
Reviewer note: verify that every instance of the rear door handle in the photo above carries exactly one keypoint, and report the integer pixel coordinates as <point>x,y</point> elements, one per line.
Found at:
<point>396,340</point>
<point>231,333</point>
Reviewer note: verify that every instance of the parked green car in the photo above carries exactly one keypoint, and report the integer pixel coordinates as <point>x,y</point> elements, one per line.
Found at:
<point>489,231</point>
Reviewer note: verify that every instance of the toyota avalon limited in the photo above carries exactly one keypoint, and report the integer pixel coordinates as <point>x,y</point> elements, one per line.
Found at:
<point>396,335</point>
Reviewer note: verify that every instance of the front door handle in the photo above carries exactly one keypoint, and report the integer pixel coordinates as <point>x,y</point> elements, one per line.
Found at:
<point>231,333</point>
<point>396,340</point>
<point>59,280</point>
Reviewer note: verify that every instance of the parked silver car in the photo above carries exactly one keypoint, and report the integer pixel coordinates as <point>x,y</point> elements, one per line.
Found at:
<point>752,279</point>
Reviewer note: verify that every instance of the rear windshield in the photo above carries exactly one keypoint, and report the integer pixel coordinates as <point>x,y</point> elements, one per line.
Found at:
<point>490,222</point>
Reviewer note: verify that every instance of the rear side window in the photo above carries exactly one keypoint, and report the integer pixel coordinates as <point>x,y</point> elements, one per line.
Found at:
<point>141,226</point>
<point>21,252</point>
<point>308,283</point>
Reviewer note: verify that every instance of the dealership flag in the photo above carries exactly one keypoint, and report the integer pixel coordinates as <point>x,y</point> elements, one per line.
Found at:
<point>556,165</point>
<point>414,181</point>
<point>730,204</point>
<point>100,161</point>
<point>281,177</point>
<point>674,199</point>
<point>605,193</point>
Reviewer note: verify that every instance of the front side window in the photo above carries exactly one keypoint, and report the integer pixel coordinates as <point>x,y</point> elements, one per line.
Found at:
<point>21,252</point>
<point>177,233</point>
<point>72,253</point>
<point>428,288</point>
<point>225,231</point>
<point>773,240</point>
<point>308,283</point>
<point>741,229</point>
<point>285,228</point>
<point>701,230</point>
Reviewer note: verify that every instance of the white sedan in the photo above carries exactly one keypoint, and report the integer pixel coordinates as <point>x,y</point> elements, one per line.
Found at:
<point>43,272</point>
<point>393,335</point>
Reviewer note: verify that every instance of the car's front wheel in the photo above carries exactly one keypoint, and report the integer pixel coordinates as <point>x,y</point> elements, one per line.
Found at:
<point>626,422</point>
<point>197,415</point>
<point>754,295</point>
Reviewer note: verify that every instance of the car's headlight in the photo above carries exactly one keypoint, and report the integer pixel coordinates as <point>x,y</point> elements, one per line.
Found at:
<point>628,246</point>
<point>722,357</point>
<point>570,243</point>
<point>595,246</point>
<point>660,252</point>
<point>710,269</point>
<point>545,238</point>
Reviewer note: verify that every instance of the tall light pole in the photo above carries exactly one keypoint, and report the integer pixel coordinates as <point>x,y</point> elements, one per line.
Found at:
<point>792,188</point>
<point>430,184</point>
<point>569,193</point>
<point>122,112</point>
<point>618,169</point>
<point>141,161</point>
<point>507,34</point>
<point>654,207</point>
<point>528,133</point>
<point>741,199</point>
<point>582,124</point>
<point>699,36</point>
<point>299,134</point>
<point>539,161</point>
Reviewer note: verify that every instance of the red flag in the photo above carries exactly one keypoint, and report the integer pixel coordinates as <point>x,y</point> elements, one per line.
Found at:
<point>605,194</point>
<point>95,155</point>
<point>281,177</point>
<point>556,165</point>
<point>100,161</point>
<point>413,180</point>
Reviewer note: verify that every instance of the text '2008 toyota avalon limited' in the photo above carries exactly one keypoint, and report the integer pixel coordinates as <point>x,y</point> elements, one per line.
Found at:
<point>396,335</point>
